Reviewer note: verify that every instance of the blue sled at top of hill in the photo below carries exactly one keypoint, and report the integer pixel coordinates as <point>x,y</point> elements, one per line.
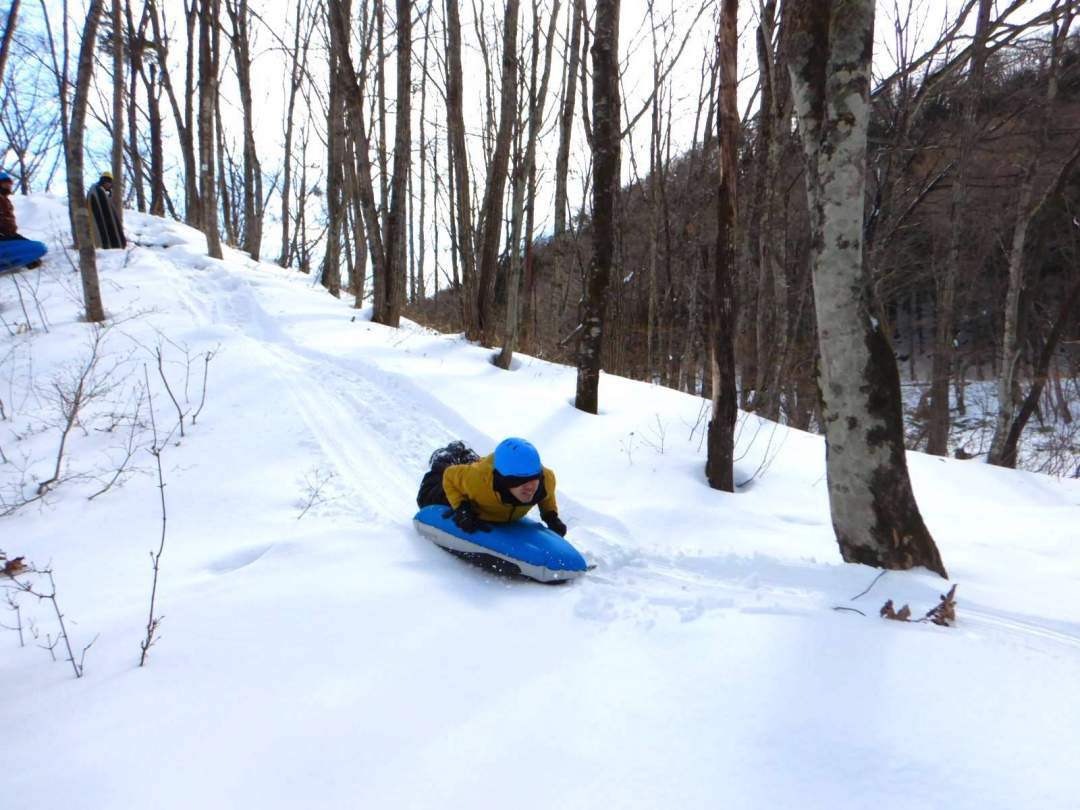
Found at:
<point>522,546</point>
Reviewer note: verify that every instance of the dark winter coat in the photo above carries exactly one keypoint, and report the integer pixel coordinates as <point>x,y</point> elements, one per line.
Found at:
<point>8,228</point>
<point>106,225</point>
<point>476,483</point>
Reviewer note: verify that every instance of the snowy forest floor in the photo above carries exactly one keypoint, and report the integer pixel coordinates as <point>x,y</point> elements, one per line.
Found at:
<point>316,652</point>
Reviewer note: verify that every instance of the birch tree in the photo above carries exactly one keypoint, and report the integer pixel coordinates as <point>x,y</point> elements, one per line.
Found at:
<point>874,513</point>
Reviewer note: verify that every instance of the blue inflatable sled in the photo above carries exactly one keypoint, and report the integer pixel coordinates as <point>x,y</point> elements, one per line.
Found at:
<point>15,254</point>
<point>521,547</point>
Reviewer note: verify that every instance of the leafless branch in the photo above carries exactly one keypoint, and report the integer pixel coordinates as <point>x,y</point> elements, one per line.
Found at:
<point>152,621</point>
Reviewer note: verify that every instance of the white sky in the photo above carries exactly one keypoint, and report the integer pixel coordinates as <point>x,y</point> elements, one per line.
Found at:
<point>925,19</point>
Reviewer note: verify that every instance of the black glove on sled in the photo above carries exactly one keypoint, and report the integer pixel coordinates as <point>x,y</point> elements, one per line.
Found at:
<point>465,518</point>
<point>553,523</point>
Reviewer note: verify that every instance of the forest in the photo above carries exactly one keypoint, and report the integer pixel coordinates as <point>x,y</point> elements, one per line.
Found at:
<point>858,219</point>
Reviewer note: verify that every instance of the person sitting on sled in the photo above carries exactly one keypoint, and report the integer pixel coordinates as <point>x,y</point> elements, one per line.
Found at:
<point>498,488</point>
<point>16,251</point>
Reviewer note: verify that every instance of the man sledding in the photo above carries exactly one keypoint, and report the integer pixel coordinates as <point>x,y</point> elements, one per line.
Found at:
<point>474,507</point>
<point>16,251</point>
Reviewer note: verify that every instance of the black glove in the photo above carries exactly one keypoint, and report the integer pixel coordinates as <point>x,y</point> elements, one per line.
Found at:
<point>465,518</point>
<point>553,523</point>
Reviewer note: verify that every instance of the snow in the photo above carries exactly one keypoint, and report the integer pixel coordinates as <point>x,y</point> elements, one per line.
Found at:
<point>333,658</point>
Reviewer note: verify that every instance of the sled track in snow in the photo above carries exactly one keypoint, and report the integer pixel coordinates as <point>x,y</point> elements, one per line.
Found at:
<point>379,464</point>
<point>1009,626</point>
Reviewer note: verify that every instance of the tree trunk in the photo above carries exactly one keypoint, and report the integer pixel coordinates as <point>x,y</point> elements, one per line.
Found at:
<point>606,138</point>
<point>134,41</point>
<point>389,287</point>
<point>719,466</point>
<point>1009,448</point>
<point>117,198</point>
<point>874,513</point>
<point>1028,205</point>
<point>157,154</point>
<point>185,128</point>
<point>297,58</point>
<point>937,434</point>
<point>455,126</point>
<point>335,146</point>
<point>522,175</point>
<point>356,217</point>
<point>566,121</point>
<point>9,35</point>
<point>229,214</point>
<point>775,112</point>
<point>352,86</point>
<point>208,91</point>
<point>492,217</point>
<point>95,311</point>
<point>241,43</point>
<point>421,291</point>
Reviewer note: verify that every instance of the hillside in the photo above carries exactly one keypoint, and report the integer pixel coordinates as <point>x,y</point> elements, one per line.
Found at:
<point>316,652</point>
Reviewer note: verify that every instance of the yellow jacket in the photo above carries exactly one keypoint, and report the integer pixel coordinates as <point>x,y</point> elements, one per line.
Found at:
<point>476,483</point>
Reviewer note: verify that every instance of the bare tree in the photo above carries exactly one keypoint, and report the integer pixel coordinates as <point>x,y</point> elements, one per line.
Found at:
<point>492,212</point>
<point>209,50</point>
<point>297,60</point>
<point>389,287</point>
<point>118,112</point>
<point>1029,203</point>
<point>606,138</point>
<point>566,119</point>
<point>523,175</point>
<point>95,311</point>
<point>183,117</point>
<point>459,159</point>
<point>937,441</point>
<point>240,36</point>
<point>335,175</point>
<point>9,35</point>
<point>719,465</point>
<point>874,513</point>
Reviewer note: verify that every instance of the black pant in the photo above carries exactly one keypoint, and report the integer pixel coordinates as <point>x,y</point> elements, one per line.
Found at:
<point>431,490</point>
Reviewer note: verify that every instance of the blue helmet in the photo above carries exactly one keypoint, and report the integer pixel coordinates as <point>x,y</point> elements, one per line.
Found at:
<point>5,176</point>
<point>517,458</point>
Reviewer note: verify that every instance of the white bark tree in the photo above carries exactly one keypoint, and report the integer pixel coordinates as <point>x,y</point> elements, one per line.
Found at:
<point>874,513</point>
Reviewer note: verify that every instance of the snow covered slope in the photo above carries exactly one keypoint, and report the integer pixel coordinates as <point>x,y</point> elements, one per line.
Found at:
<point>332,658</point>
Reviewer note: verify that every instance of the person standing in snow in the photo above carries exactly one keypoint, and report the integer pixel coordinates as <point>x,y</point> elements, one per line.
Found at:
<point>499,488</point>
<point>107,227</point>
<point>16,251</point>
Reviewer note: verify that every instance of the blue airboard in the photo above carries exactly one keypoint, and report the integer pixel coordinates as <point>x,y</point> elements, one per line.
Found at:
<point>17,253</point>
<point>539,552</point>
